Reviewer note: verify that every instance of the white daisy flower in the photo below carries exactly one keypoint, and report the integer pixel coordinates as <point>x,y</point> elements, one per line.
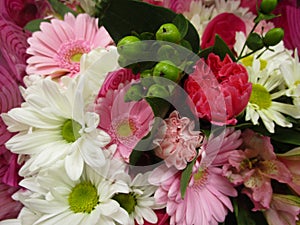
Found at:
<point>53,124</point>
<point>263,104</point>
<point>291,75</point>
<point>139,201</point>
<point>53,198</point>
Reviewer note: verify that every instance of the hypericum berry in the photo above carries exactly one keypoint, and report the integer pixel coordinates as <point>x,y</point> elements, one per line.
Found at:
<point>168,32</point>
<point>267,6</point>
<point>273,36</point>
<point>130,47</point>
<point>146,78</point>
<point>167,52</point>
<point>167,70</point>
<point>254,42</point>
<point>134,93</point>
<point>159,91</point>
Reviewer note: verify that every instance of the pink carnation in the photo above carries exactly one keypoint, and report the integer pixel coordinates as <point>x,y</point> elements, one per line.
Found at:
<point>219,89</point>
<point>56,49</point>
<point>179,141</point>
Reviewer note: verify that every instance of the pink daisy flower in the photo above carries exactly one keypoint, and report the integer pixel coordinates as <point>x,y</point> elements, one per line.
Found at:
<point>126,122</point>
<point>179,141</point>
<point>206,201</point>
<point>56,49</point>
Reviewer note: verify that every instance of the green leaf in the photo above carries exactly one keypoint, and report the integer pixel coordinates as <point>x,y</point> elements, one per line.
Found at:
<point>182,24</point>
<point>262,17</point>
<point>159,106</point>
<point>34,25</point>
<point>122,17</point>
<point>60,8</point>
<point>185,177</point>
<point>287,135</point>
<point>220,48</point>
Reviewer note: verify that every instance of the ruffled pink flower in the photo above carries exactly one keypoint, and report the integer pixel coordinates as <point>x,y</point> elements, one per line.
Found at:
<point>56,49</point>
<point>284,210</point>
<point>178,142</point>
<point>126,122</point>
<point>23,11</point>
<point>254,167</point>
<point>219,89</point>
<point>13,48</point>
<point>206,201</point>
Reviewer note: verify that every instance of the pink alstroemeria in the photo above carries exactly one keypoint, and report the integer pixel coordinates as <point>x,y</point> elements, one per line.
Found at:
<point>284,210</point>
<point>291,160</point>
<point>254,167</point>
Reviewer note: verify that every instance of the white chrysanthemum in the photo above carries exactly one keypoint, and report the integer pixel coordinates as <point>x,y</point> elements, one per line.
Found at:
<point>53,198</point>
<point>291,75</point>
<point>139,201</point>
<point>201,13</point>
<point>52,125</point>
<point>263,104</point>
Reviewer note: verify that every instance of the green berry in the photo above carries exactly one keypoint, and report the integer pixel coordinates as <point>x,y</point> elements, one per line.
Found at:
<point>167,52</point>
<point>130,47</point>
<point>157,90</point>
<point>267,6</point>
<point>273,36</point>
<point>146,78</point>
<point>167,70</point>
<point>134,93</point>
<point>168,32</point>
<point>254,42</point>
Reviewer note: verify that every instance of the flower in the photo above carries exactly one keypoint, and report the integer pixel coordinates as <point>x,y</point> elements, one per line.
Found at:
<point>139,201</point>
<point>225,25</point>
<point>284,209</point>
<point>56,53</point>
<point>126,122</point>
<point>179,141</point>
<point>254,167</point>
<point>291,74</point>
<point>218,85</point>
<point>162,218</point>
<point>262,104</point>
<point>207,186</point>
<point>54,198</point>
<point>53,126</point>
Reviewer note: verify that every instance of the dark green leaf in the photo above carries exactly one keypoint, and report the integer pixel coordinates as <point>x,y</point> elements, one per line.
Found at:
<point>122,17</point>
<point>185,177</point>
<point>159,106</point>
<point>34,25</point>
<point>220,48</point>
<point>182,24</point>
<point>262,17</point>
<point>287,135</point>
<point>60,8</point>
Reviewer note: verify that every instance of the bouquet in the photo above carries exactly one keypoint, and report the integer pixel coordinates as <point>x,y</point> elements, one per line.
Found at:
<point>168,112</point>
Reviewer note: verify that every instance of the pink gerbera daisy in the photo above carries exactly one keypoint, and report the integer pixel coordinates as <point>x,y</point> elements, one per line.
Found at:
<point>56,49</point>
<point>126,122</point>
<point>206,201</point>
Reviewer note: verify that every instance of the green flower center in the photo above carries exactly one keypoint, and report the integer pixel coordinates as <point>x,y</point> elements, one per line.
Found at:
<point>248,61</point>
<point>83,198</point>
<point>260,96</point>
<point>70,130</point>
<point>200,178</point>
<point>76,57</point>
<point>126,201</point>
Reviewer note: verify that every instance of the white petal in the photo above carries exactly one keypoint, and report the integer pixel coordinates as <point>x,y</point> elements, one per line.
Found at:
<point>74,165</point>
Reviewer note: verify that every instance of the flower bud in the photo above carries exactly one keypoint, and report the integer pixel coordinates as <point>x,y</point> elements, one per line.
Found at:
<point>167,70</point>
<point>168,32</point>
<point>134,93</point>
<point>130,47</point>
<point>254,42</point>
<point>267,6</point>
<point>273,36</point>
<point>159,91</point>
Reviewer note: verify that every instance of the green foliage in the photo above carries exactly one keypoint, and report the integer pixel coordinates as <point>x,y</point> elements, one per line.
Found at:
<point>185,177</point>
<point>60,8</point>
<point>34,25</point>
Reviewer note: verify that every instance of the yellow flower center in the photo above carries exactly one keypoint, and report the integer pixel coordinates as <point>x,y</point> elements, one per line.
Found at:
<point>70,130</point>
<point>248,61</point>
<point>83,198</point>
<point>76,57</point>
<point>126,201</point>
<point>260,96</point>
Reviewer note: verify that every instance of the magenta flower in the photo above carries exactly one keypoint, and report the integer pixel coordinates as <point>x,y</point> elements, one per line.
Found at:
<point>162,216</point>
<point>254,167</point>
<point>56,49</point>
<point>126,122</point>
<point>178,143</point>
<point>284,209</point>
<point>206,201</point>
